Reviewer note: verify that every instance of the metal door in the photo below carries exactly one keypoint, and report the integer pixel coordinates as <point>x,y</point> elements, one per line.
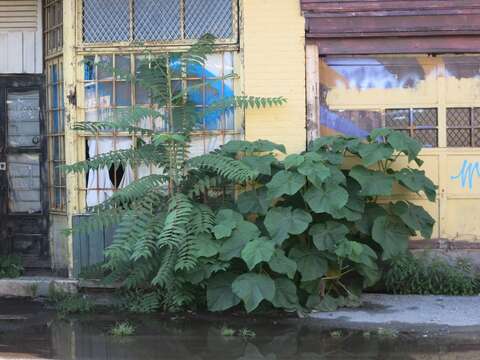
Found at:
<point>23,171</point>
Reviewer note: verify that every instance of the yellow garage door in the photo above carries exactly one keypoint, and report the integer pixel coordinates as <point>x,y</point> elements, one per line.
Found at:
<point>436,100</point>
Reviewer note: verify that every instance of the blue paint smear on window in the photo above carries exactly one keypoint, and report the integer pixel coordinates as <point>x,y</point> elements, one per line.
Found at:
<point>341,124</point>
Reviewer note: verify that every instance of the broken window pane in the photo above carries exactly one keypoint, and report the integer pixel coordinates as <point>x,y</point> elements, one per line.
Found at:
<point>24,183</point>
<point>23,119</point>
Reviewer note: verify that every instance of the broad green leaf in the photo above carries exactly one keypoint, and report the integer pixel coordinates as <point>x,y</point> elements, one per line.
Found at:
<point>392,235</point>
<point>416,181</point>
<point>346,213</point>
<point>332,157</point>
<point>371,275</point>
<point>327,198</point>
<point>253,288</point>
<point>281,221</point>
<point>371,213</point>
<point>226,220</point>
<point>255,201</point>
<point>327,235</point>
<point>263,164</point>
<point>285,294</point>
<point>205,246</point>
<point>337,176</point>
<point>293,161</point>
<point>316,173</point>
<point>282,264</point>
<point>380,132</point>
<point>220,295</point>
<point>322,142</point>
<point>257,251</point>
<point>373,183</point>
<point>404,143</point>
<point>310,264</point>
<point>327,304</point>
<point>235,146</point>
<point>373,153</point>
<point>286,183</point>
<point>357,252</point>
<point>415,217</point>
<point>233,246</point>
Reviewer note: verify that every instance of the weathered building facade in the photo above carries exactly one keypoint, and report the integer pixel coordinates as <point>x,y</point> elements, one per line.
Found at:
<point>344,66</point>
<point>412,66</point>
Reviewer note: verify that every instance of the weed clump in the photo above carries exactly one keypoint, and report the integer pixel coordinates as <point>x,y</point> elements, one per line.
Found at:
<point>431,275</point>
<point>123,329</point>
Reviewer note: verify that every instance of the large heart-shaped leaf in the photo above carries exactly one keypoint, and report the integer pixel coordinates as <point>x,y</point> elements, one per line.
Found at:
<point>415,217</point>
<point>293,161</point>
<point>327,198</point>
<point>263,164</point>
<point>310,264</point>
<point>392,235</point>
<point>281,221</point>
<point>257,251</point>
<point>220,295</point>
<point>205,246</point>
<point>285,294</point>
<point>404,143</point>
<point>316,172</point>
<point>260,146</point>
<point>371,213</point>
<point>253,289</point>
<point>373,183</point>
<point>255,201</point>
<point>233,246</point>
<point>286,183</point>
<point>374,152</point>
<point>282,264</point>
<point>416,181</point>
<point>327,235</point>
<point>226,220</point>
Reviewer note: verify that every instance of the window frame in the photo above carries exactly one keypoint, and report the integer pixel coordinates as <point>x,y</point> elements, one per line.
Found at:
<point>165,44</point>
<point>59,135</point>
<point>52,27</point>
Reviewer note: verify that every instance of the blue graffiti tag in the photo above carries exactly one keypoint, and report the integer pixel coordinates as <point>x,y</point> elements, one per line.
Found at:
<point>467,173</point>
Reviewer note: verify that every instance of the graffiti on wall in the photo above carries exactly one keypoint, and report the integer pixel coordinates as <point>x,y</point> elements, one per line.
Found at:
<point>467,174</point>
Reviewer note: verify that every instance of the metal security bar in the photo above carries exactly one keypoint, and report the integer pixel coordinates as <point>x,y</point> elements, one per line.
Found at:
<point>463,127</point>
<point>158,21</point>
<point>421,124</point>
<point>53,27</point>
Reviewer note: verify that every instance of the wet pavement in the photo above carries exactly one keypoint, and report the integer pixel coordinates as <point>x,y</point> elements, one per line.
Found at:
<point>29,331</point>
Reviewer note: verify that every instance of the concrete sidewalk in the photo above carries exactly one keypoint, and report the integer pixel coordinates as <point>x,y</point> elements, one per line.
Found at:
<point>388,310</point>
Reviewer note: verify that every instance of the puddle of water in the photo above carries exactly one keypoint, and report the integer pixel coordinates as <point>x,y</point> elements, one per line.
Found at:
<point>42,336</point>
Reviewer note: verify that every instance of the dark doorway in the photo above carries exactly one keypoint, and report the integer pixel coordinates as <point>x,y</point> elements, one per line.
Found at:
<point>23,171</point>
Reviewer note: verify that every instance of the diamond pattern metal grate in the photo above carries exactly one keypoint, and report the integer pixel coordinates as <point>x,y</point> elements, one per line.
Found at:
<point>427,137</point>
<point>397,118</point>
<point>458,137</point>
<point>424,117</point>
<point>208,16</point>
<point>157,20</point>
<point>458,117</point>
<point>110,21</point>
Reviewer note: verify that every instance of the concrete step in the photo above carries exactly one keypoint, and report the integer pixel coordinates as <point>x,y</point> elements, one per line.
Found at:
<point>36,286</point>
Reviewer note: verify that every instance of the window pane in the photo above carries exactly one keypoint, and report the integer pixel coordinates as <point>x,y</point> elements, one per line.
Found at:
<point>349,122</point>
<point>208,17</point>
<point>123,94</point>
<point>23,119</point>
<point>24,183</point>
<point>106,20</point>
<point>157,20</point>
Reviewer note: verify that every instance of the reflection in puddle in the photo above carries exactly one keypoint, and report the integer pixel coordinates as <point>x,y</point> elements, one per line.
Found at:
<point>157,338</point>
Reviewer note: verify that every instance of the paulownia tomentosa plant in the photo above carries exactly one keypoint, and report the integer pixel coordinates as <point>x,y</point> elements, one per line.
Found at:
<point>307,232</point>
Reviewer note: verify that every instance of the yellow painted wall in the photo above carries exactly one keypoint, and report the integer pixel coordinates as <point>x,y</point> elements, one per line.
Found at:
<point>273,54</point>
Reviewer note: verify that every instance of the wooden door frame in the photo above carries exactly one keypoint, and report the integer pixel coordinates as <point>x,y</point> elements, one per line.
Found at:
<point>17,82</point>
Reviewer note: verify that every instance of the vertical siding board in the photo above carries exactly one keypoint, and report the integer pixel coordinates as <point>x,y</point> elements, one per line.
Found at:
<point>28,46</point>
<point>4,51</point>
<point>14,53</point>
<point>95,247</point>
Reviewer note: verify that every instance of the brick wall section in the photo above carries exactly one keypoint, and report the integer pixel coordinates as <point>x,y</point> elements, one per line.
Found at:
<point>274,65</point>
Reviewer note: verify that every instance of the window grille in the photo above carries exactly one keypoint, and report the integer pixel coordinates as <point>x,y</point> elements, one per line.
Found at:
<point>421,124</point>
<point>53,28</point>
<point>158,21</point>
<point>56,134</point>
<point>463,127</point>
<point>107,92</point>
